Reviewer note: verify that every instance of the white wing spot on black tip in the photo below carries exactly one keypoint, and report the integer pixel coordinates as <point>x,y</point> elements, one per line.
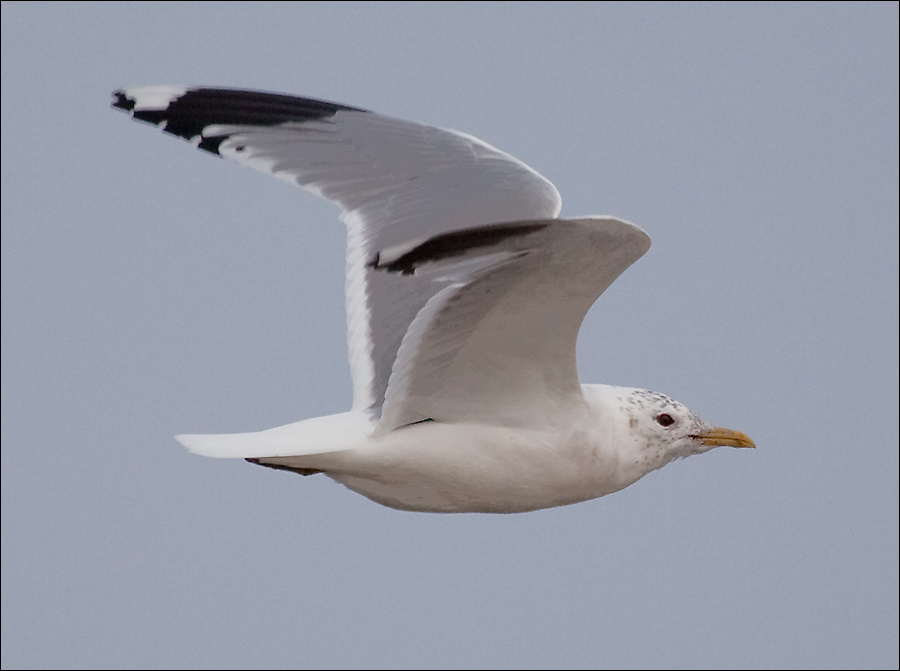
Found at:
<point>188,114</point>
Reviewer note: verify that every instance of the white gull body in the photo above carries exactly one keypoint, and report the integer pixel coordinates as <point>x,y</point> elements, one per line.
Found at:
<point>465,293</point>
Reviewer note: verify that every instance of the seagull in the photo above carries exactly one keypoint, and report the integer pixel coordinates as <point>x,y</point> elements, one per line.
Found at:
<point>465,292</point>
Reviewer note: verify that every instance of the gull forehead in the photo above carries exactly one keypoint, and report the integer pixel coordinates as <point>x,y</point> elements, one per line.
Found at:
<point>465,292</point>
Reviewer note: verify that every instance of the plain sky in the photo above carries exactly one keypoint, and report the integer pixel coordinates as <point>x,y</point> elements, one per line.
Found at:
<point>149,289</point>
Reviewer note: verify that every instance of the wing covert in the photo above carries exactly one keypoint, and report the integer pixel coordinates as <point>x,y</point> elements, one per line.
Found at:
<point>498,344</point>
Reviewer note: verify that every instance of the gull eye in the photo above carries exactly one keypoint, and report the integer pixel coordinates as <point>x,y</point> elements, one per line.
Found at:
<point>665,419</point>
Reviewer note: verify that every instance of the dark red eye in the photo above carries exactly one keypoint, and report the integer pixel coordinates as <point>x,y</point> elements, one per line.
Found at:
<point>665,420</point>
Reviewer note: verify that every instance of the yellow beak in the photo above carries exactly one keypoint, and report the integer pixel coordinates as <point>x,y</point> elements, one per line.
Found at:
<point>717,436</point>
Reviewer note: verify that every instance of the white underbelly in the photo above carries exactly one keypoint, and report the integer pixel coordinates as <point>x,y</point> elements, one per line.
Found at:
<point>462,468</point>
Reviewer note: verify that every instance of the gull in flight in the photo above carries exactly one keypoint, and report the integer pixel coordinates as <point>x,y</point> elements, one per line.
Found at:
<point>465,293</point>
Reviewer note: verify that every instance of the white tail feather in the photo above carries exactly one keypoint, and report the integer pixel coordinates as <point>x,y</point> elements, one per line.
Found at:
<point>332,433</point>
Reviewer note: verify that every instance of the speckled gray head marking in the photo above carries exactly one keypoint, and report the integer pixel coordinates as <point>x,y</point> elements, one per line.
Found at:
<point>645,399</point>
<point>668,427</point>
<point>455,243</point>
<point>189,113</point>
<point>655,405</point>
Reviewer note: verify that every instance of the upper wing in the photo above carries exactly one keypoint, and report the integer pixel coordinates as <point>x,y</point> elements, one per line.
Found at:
<point>497,343</point>
<point>398,183</point>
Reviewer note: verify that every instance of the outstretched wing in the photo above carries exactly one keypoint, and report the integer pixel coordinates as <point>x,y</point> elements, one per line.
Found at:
<point>497,343</point>
<point>398,183</point>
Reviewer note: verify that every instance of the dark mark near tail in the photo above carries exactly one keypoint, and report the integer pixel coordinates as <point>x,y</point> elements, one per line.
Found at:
<point>456,243</point>
<point>189,113</point>
<point>279,467</point>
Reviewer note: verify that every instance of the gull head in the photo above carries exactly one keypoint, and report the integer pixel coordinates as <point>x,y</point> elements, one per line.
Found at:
<point>664,429</point>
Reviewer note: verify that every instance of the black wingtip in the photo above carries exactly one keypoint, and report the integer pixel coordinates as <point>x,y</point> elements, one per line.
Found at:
<point>190,111</point>
<point>122,101</point>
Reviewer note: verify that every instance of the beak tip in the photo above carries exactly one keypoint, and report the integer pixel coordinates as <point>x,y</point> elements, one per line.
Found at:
<point>718,437</point>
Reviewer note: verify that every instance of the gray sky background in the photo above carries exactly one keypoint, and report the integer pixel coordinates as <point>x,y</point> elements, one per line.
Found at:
<point>149,289</point>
